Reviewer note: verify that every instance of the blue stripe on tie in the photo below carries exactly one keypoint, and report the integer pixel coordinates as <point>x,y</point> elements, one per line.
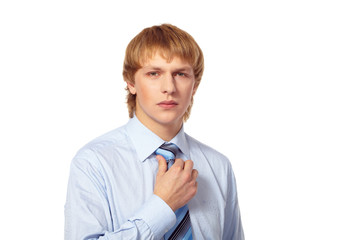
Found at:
<point>188,235</point>
<point>165,153</point>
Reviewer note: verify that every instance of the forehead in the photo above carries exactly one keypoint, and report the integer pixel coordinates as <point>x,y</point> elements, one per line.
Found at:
<point>160,60</point>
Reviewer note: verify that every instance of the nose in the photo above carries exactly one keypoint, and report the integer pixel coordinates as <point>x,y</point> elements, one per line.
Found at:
<point>168,84</point>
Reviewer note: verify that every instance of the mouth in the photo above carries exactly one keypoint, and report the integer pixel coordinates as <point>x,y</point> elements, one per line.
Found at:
<point>167,104</point>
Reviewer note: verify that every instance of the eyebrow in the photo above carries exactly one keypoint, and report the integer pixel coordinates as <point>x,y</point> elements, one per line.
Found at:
<point>176,70</point>
<point>151,67</point>
<point>185,69</point>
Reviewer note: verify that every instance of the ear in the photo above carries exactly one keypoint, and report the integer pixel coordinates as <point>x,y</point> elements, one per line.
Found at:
<point>131,87</point>
<point>195,89</point>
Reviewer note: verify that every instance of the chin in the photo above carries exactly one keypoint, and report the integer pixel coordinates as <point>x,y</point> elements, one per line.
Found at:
<point>169,119</point>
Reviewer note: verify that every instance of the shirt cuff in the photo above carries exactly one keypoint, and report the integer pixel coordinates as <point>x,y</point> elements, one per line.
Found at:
<point>157,215</point>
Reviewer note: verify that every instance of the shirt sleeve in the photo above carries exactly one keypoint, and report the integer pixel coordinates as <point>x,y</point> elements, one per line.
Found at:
<point>88,215</point>
<point>233,226</point>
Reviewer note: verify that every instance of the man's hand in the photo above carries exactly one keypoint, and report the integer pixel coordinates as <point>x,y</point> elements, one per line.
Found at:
<point>177,185</point>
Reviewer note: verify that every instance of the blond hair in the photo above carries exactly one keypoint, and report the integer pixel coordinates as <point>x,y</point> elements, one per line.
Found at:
<point>169,41</point>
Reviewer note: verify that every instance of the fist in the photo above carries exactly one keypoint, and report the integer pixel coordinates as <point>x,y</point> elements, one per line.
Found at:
<point>177,185</point>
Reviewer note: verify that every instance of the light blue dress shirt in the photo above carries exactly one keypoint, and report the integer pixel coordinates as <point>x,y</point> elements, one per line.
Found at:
<point>110,190</point>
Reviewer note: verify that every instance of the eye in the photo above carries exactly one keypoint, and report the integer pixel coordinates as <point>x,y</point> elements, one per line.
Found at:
<point>153,74</point>
<point>180,74</point>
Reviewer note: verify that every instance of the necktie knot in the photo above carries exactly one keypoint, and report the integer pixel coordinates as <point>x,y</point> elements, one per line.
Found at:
<point>168,151</point>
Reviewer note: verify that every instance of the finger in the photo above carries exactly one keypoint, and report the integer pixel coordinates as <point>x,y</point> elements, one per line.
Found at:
<point>178,163</point>
<point>188,165</point>
<point>162,164</point>
<point>194,174</point>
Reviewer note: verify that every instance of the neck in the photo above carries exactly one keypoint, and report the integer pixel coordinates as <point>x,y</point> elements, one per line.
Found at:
<point>166,134</point>
<point>166,131</point>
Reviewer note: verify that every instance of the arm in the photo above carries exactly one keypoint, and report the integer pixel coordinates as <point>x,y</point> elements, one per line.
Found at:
<point>88,215</point>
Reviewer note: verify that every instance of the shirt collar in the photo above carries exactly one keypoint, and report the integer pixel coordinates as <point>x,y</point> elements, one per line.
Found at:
<point>146,142</point>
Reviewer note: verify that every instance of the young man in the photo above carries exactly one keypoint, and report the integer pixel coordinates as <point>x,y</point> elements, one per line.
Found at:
<point>124,184</point>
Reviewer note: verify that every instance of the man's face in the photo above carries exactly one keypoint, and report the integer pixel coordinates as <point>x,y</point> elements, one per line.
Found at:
<point>163,91</point>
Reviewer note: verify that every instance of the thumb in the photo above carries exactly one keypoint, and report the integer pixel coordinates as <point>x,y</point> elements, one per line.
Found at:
<point>162,164</point>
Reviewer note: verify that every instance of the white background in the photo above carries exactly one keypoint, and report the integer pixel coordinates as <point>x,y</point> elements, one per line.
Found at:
<point>280,97</point>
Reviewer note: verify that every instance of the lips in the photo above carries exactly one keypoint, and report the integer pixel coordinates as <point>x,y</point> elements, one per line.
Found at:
<point>167,104</point>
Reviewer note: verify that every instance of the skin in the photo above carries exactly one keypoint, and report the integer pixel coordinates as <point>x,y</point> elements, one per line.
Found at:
<point>163,93</point>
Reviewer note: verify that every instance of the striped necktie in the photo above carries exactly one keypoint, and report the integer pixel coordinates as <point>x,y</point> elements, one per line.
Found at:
<point>182,228</point>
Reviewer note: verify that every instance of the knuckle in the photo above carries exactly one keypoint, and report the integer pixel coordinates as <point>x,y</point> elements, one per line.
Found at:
<point>176,168</point>
<point>192,183</point>
<point>189,161</point>
<point>193,191</point>
<point>187,176</point>
<point>179,160</point>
